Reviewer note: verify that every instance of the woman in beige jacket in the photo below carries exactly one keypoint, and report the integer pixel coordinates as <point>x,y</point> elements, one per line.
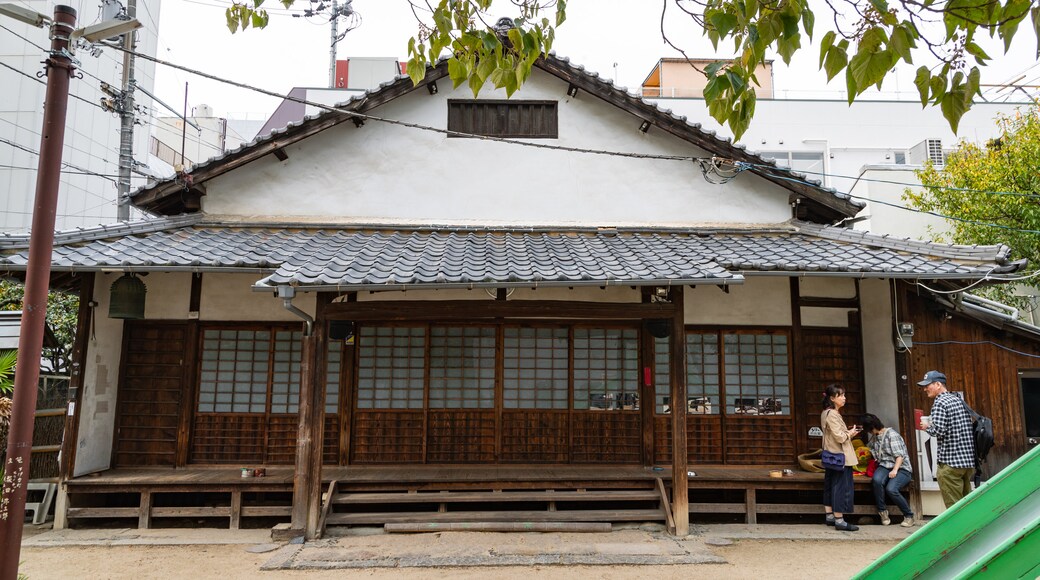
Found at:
<point>837,438</point>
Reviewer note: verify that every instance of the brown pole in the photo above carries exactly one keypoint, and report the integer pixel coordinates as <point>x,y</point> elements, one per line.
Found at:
<point>680,459</point>
<point>59,68</point>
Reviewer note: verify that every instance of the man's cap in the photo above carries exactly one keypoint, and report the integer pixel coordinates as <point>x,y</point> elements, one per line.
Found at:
<point>930,377</point>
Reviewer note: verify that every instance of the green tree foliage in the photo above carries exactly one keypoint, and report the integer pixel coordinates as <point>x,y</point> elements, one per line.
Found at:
<point>869,38</point>
<point>62,317</point>
<point>995,183</point>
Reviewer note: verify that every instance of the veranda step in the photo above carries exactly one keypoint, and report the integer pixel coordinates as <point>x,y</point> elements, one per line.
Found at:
<point>495,496</point>
<point>650,515</point>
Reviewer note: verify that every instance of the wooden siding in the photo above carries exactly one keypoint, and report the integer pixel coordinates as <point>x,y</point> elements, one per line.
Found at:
<point>387,437</point>
<point>150,394</point>
<point>986,373</point>
<point>829,355</point>
<point>530,436</point>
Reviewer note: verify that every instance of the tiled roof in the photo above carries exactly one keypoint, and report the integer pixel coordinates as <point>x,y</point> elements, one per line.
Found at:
<point>328,257</point>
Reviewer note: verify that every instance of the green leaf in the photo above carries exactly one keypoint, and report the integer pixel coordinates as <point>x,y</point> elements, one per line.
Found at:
<point>416,68</point>
<point>474,84</point>
<point>975,50</point>
<point>879,5</point>
<point>511,82</point>
<point>232,20</point>
<point>921,81</point>
<point>456,72</point>
<point>1035,13</point>
<point>954,104</point>
<point>485,67</point>
<point>901,42</point>
<point>260,19</point>
<point>790,25</point>
<point>736,82</point>
<point>786,47</point>
<point>713,68</point>
<point>808,22</point>
<point>835,61</point>
<point>715,88</point>
<point>825,45</point>
<point>723,23</point>
<point>850,86</point>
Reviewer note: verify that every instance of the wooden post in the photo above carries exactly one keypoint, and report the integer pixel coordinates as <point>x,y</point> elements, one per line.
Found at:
<point>306,507</point>
<point>677,362</point>
<point>67,466</point>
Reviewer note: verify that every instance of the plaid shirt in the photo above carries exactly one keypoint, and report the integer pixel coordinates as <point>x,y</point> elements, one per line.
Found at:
<point>951,426</point>
<point>888,447</point>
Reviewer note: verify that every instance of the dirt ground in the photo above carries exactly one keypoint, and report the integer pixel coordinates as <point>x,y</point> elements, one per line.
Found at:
<point>772,559</point>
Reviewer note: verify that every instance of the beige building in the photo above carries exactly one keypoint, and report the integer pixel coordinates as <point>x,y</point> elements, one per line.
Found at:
<point>682,78</point>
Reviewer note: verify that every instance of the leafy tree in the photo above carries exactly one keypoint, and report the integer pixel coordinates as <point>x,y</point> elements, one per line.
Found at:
<point>869,38</point>
<point>996,183</point>
<point>62,317</point>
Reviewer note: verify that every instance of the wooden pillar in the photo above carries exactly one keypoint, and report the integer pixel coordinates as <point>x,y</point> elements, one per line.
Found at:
<point>307,476</point>
<point>67,466</point>
<point>677,362</point>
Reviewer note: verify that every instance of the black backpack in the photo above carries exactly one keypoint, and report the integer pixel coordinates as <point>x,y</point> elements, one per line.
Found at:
<point>982,429</point>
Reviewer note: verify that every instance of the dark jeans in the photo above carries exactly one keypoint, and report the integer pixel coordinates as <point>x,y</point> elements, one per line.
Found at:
<point>837,490</point>
<point>883,484</point>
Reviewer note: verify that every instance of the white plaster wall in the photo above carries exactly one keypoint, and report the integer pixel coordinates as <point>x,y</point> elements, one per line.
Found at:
<point>884,218</point>
<point>826,317</point>
<point>167,296</point>
<point>100,382</point>
<point>230,297</point>
<point>826,287</point>
<point>759,301</point>
<point>382,173</point>
<point>879,354</point>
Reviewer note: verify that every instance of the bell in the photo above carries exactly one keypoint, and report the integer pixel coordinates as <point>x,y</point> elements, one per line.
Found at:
<point>127,298</point>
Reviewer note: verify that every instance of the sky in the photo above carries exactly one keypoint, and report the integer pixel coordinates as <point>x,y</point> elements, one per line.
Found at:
<point>620,39</point>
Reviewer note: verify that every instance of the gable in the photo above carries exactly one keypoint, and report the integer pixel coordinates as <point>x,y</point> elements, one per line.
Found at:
<point>385,173</point>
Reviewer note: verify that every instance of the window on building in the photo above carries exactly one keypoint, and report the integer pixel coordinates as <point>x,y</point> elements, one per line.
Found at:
<point>535,368</point>
<point>502,118</point>
<point>462,367</point>
<point>391,367</point>
<point>748,373</point>
<point>250,370</point>
<point>809,162</point>
<point>606,371</point>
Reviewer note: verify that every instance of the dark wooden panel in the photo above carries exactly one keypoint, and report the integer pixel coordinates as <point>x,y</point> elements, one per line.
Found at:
<point>703,439</point>
<point>387,437</point>
<point>150,393</point>
<point>282,433</point>
<point>830,356</point>
<point>754,440</point>
<point>460,436</point>
<point>985,372</point>
<point>606,437</point>
<point>531,436</point>
<point>330,443</point>
<point>230,438</point>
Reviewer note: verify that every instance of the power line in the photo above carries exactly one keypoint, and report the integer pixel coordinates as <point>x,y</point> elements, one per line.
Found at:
<point>909,184</point>
<point>70,172</point>
<point>29,76</point>
<point>67,145</point>
<point>34,152</point>
<point>975,342</point>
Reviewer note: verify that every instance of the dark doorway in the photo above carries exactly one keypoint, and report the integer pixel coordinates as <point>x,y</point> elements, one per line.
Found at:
<point>1031,402</point>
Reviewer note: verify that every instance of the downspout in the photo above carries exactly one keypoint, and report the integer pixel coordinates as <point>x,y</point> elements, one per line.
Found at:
<point>287,293</point>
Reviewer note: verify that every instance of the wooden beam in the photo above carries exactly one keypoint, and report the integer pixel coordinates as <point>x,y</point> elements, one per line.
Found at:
<point>79,362</point>
<point>280,154</point>
<point>304,475</point>
<point>677,363</point>
<point>394,310</point>
<point>312,369</point>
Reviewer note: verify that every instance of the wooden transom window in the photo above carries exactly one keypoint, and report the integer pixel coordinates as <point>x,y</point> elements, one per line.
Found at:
<point>391,367</point>
<point>504,118</point>
<point>606,369</point>
<point>462,367</point>
<point>535,368</point>
<point>745,373</point>
<point>257,371</point>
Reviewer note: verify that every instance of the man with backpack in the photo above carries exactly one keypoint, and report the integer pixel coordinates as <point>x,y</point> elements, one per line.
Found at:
<point>951,425</point>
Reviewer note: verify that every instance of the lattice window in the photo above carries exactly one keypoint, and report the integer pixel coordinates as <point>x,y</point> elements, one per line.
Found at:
<point>702,374</point>
<point>285,378</point>
<point>234,373</point>
<point>333,368</point>
<point>535,368</point>
<point>391,367</point>
<point>462,367</point>
<point>606,373</point>
<point>662,375</point>
<point>757,371</point>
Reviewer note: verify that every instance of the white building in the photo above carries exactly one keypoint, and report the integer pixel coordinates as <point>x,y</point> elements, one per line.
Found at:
<point>87,194</point>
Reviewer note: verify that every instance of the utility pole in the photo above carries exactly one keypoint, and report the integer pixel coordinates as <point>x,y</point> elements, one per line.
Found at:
<point>59,69</point>
<point>126,118</point>
<point>332,44</point>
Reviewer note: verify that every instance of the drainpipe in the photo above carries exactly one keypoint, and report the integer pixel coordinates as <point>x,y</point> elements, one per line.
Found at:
<point>973,302</point>
<point>287,293</point>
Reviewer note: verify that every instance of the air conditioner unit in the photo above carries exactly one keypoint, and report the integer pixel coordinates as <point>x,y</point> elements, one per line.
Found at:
<point>927,150</point>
